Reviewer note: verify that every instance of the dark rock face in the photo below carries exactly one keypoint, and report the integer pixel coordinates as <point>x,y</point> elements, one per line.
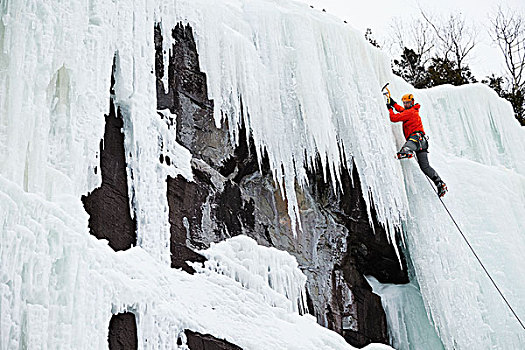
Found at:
<point>368,252</point>
<point>108,206</point>
<point>123,332</point>
<point>182,215</point>
<point>198,341</point>
<point>187,94</point>
<point>231,195</point>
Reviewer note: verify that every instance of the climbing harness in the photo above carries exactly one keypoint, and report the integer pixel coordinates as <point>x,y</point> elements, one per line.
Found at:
<point>420,139</point>
<point>479,260</point>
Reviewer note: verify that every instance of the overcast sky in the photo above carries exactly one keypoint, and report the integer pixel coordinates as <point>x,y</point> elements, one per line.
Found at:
<point>377,15</point>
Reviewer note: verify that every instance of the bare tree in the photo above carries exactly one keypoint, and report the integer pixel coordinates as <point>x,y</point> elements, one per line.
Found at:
<point>456,38</point>
<point>416,41</point>
<point>434,51</point>
<point>508,31</point>
<point>416,35</point>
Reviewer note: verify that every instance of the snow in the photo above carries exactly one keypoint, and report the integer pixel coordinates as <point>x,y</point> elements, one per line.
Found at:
<point>273,273</point>
<point>308,83</point>
<point>61,285</point>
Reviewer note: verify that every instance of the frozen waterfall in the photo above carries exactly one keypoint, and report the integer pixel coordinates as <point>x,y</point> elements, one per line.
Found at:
<point>305,84</point>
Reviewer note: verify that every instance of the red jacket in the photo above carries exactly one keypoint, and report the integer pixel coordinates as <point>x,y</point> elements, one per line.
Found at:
<point>409,117</point>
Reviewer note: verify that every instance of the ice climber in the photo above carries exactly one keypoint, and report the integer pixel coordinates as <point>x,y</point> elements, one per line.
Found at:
<point>416,140</point>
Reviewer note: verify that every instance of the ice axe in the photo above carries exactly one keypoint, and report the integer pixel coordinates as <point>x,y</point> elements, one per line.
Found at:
<point>386,93</point>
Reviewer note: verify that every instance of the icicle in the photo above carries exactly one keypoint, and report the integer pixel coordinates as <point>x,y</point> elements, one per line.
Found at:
<point>272,273</point>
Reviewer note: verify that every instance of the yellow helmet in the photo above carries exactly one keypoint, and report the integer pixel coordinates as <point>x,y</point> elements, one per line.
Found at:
<point>407,98</point>
<point>408,101</point>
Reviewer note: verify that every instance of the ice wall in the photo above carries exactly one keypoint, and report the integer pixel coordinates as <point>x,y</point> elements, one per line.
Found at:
<point>308,83</point>
<point>409,324</point>
<point>478,148</point>
<point>299,98</point>
<point>59,287</point>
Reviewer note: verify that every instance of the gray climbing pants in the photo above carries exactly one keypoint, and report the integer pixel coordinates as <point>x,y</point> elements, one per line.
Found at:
<point>418,143</point>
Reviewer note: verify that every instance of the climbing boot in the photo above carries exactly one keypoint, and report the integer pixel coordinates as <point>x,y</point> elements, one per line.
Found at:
<point>441,188</point>
<point>405,152</point>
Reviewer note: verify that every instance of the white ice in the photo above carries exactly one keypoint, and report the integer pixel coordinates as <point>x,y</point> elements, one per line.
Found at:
<point>409,325</point>
<point>273,273</point>
<point>308,83</point>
